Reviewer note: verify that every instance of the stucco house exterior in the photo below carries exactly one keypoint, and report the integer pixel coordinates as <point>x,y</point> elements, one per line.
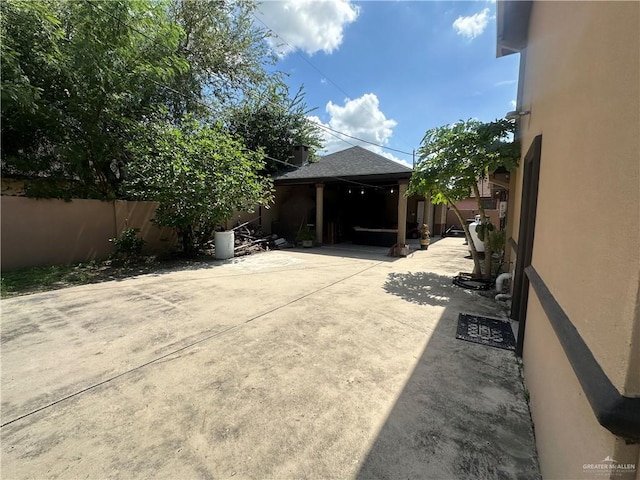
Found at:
<point>574,230</point>
<point>494,195</point>
<point>351,195</point>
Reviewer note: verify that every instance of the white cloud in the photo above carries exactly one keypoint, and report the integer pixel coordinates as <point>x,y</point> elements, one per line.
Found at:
<point>308,25</point>
<point>471,27</point>
<point>504,82</point>
<point>361,118</point>
<point>513,103</point>
<point>390,156</point>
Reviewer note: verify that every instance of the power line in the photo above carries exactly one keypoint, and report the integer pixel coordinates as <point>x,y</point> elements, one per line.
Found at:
<point>283,162</point>
<point>339,138</point>
<point>293,49</point>
<point>329,130</point>
<point>210,109</point>
<point>267,99</point>
<point>360,139</point>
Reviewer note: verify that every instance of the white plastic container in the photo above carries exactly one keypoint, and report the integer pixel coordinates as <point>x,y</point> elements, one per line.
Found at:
<point>474,236</point>
<point>224,242</point>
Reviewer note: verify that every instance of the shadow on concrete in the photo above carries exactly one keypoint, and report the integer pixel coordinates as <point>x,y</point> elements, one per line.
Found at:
<point>462,412</point>
<point>423,288</point>
<point>361,252</point>
<point>350,250</point>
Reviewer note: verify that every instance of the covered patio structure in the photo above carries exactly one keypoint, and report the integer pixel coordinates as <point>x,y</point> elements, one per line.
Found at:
<point>352,195</point>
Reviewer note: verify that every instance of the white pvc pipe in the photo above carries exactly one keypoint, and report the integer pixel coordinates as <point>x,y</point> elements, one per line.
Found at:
<point>503,296</point>
<point>499,281</point>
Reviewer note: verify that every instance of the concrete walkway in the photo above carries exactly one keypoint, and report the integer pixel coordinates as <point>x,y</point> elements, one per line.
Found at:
<point>327,363</point>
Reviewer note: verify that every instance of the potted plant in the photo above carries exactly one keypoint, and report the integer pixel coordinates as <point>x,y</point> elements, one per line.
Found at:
<point>306,236</point>
<point>424,237</point>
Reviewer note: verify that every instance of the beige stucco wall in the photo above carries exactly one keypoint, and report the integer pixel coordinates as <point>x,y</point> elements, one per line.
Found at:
<point>49,232</point>
<point>582,85</point>
<point>140,215</point>
<point>567,433</point>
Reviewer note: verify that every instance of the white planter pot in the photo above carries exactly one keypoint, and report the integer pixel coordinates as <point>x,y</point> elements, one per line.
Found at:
<point>224,242</point>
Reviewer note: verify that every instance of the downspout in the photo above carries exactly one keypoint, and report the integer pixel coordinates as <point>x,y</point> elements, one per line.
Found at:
<point>499,284</point>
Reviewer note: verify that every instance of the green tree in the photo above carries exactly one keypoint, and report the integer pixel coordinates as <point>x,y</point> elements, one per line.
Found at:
<point>227,55</point>
<point>272,120</point>
<point>30,61</point>
<point>22,23</point>
<point>200,174</point>
<point>453,158</point>
<point>77,76</point>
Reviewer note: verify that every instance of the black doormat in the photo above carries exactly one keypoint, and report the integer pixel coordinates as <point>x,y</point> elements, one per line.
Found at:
<point>485,331</point>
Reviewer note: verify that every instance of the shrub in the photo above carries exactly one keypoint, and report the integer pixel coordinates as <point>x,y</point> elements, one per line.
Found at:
<point>128,245</point>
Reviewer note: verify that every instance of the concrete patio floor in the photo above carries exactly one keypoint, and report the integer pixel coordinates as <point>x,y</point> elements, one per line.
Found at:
<point>328,363</point>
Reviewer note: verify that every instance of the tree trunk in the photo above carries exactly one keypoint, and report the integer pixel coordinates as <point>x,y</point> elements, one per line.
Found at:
<point>487,246</point>
<point>474,253</point>
<point>187,241</point>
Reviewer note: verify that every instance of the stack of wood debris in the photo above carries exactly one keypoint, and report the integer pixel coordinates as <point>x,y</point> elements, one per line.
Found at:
<point>250,239</point>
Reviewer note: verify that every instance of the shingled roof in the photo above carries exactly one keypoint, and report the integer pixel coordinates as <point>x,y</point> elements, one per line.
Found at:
<point>354,162</point>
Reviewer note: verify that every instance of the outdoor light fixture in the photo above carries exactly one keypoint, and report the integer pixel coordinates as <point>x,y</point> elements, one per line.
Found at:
<point>516,114</point>
<point>349,190</point>
<point>362,192</point>
<point>391,189</point>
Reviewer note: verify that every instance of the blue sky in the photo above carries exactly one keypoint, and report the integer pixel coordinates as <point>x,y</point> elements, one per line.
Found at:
<point>388,71</point>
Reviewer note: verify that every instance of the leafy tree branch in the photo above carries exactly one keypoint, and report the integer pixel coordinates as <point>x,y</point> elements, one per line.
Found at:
<point>199,174</point>
<point>453,158</point>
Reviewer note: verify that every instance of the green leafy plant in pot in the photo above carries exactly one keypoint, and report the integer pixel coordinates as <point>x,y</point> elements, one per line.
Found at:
<point>306,236</point>
<point>424,237</point>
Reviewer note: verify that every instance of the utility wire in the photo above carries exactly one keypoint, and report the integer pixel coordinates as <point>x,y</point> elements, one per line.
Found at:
<point>210,109</point>
<point>340,138</point>
<point>277,160</point>
<point>360,139</point>
<point>329,130</point>
<point>295,50</point>
<point>267,99</point>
